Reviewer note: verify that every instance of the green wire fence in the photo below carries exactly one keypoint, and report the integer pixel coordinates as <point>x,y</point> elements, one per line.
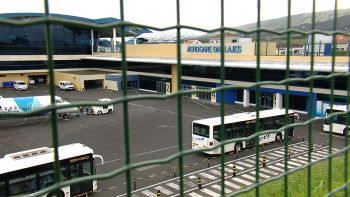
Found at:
<point>47,20</point>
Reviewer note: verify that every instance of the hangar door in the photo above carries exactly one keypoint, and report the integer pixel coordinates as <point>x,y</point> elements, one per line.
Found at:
<point>42,79</point>
<point>91,84</point>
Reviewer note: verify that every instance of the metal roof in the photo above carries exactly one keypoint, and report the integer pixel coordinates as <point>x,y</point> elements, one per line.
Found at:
<point>97,21</point>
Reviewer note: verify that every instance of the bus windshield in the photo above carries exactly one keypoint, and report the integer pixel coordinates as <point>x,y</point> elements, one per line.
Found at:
<point>201,130</point>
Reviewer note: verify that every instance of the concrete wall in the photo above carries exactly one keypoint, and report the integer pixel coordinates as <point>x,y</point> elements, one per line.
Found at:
<point>111,85</point>
<point>151,50</point>
<point>117,80</point>
<point>17,76</point>
<point>62,76</point>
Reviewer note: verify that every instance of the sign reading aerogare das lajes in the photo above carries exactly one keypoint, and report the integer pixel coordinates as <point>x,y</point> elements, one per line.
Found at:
<point>213,49</point>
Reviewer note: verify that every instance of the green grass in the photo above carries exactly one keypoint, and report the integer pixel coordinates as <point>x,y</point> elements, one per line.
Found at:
<point>297,182</point>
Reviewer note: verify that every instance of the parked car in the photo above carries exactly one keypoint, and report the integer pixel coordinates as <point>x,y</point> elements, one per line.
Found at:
<point>20,85</point>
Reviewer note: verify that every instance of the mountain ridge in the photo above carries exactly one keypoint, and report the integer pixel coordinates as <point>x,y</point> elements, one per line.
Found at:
<point>300,19</point>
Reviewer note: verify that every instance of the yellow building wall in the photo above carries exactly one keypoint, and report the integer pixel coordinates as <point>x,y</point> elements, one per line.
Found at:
<point>169,50</point>
<point>61,76</point>
<point>174,78</point>
<point>151,50</point>
<point>17,77</point>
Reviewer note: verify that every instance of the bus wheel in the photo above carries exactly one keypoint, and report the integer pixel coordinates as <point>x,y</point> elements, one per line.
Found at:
<point>278,137</point>
<point>238,147</point>
<point>348,132</point>
<point>53,194</point>
<point>110,111</point>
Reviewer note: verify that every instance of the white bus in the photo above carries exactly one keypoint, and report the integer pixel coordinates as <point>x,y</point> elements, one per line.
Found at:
<point>25,173</point>
<point>206,132</point>
<point>338,121</point>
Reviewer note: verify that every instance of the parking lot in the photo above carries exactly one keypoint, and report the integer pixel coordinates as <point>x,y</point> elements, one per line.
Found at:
<point>153,132</point>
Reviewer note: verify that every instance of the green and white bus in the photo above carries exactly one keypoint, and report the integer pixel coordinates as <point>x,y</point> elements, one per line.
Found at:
<point>206,132</point>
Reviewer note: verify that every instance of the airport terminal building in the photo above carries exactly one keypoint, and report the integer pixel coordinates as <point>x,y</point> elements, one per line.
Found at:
<point>153,67</point>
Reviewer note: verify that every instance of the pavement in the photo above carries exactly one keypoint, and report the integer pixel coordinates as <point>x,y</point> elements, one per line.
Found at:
<point>245,173</point>
<point>153,134</point>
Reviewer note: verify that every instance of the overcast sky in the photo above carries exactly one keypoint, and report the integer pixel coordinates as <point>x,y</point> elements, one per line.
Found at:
<point>162,13</point>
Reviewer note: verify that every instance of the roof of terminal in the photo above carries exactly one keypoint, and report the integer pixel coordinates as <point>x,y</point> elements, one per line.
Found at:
<point>136,31</point>
<point>97,21</point>
<point>264,64</point>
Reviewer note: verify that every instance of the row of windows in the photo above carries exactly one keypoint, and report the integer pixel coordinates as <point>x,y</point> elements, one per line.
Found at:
<point>41,50</point>
<point>243,129</point>
<point>24,38</point>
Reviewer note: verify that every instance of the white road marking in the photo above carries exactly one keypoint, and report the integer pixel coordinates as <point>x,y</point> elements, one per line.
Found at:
<point>218,187</point>
<point>153,151</point>
<point>232,185</point>
<point>280,152</point>
<point>299,161</point>
<point>217,172</point>
<point>236,179</point>
<point>237,167</point>
<point>209,192</point>
<point>193,194</point>
<point>275,168</point>
<point>261,174</point>
<point>317,154</point>
<point>276,155</point>
<point>244,164</point>
<point>163,190</point>
<point>192,177</point>
<point>294,164</point>
<point>201,104</point>
<point>249,177</point>
<point>208,176</point>
<point>282,165</point>
<point>250,161</point>
<point>148,193</point>
<point>173,185</point>
<point>268,171</point>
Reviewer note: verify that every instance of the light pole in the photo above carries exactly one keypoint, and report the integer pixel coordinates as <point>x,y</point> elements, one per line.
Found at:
<point>306,35</point>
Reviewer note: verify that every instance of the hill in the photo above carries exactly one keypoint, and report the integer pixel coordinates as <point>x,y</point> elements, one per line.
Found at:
<point>324,21</point>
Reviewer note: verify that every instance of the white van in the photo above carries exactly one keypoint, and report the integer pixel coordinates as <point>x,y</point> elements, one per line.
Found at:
<point>20,85</point>
<point>65,85</point>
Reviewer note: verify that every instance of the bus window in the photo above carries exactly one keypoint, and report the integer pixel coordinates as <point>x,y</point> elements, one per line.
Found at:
<point>228,132</point>
<point>2,189</point>
<point>237,131</point>
<point>268,124</point>
<point>279,122</point>
<point>22,185</point>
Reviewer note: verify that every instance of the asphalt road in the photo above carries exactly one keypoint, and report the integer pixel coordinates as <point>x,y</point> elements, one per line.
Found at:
<point>153,134</point>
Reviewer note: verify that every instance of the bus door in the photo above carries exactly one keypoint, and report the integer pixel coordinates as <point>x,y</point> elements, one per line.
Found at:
<point>250,130</point>
<point>291,121</point>
<point>81,169</point>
